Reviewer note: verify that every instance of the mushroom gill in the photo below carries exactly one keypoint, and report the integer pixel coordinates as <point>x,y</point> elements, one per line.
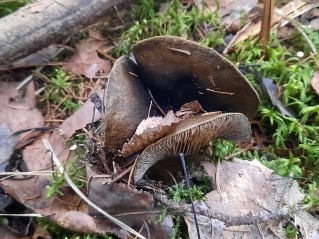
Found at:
<point>192,134</point>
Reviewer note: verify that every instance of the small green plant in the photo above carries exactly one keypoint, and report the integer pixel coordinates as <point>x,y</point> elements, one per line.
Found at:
<point>180,228</point>
<point>178,192</point>
<point>162,215</point>
<point>56,183</point>
<point>223,148</point>
<point>291,231</point>
<point>293,142</point>
<point>60,92</point>
<point>178,20</point>
<point>286,167</point>
<point>312,199</point>
<point>57,231</point>
<point>4,221</point>
<point>75,169</point>
<point>7,7</point>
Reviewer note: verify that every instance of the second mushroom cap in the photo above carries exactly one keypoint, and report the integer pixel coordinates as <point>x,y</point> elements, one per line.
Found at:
<point>178,71</point>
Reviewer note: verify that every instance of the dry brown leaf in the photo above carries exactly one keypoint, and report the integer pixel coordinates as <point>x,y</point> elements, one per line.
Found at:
<point>292,10</point>
<point>17,108</point>
<point>314,24</point>
<point>85,60</point>
<point>148,132</point>
<point>249,188</point>
<point>67,210</point>
<point>227,7</point>
<point>189,109</point>
<point>82,117</point>
<point>315,82</point>
<point>6,234</point>
<point>120,200</point>
<point>42,233</point>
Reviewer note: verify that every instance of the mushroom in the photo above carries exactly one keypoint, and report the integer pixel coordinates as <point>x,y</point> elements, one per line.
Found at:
<point>178,71</point>
<point>126,104</point>
<point>192,134</point>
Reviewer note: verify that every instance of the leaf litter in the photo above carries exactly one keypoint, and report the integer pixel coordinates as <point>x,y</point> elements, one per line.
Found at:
<point>75,123</point>
<point>85,59</point>
<point>148,132</point>
<point>249,188</point>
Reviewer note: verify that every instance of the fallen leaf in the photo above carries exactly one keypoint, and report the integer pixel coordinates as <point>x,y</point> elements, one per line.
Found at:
<point>17,108</point>
<point>148,132</point>
<point>85,60</point>
<point>272,91</point>
<point>189,109</point>
<point>42,233</point>
<point>68,210</point>
<point>40,57</point>
<point>227,7</point>
<point>82,117</point>
<point>6,234</point>
<point>314,24</point>
<point>315,82</point>
<point>5,200</point>
<point>120,200</point>
<point>7,143</point>
<point>249,188</point>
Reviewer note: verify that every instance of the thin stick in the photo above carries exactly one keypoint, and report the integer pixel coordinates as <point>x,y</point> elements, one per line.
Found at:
<point>190,194</point>
<point>220,92</point>
<point>157,105</point>
<point>26,173</point>
<point>88,201</point>
<point>20,215</point>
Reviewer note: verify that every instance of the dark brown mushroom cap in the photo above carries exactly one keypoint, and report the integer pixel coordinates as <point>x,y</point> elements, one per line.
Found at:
<point>178,71</point>
<point>126,104</point>
<point>192,134</point>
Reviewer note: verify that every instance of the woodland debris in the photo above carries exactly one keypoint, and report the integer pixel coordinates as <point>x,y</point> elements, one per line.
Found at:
<point>31,29</point>
<point>85,60</point>
<point>148,132</point>
<point>291,10</point>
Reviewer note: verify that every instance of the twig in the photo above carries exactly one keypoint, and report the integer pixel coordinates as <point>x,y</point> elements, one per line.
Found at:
<point>121,175</point>
<point>184,208</point>
<point>217,180</point>
<point>20,215</point>
<point>221,92</point>
<point>153,99</point>
<point>299,27</point>
<point>88,201</point>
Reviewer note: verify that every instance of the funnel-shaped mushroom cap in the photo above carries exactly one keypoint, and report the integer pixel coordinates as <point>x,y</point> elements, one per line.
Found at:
<point>126,104</point>
<point>192,134</point>
<point>179,71</point>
